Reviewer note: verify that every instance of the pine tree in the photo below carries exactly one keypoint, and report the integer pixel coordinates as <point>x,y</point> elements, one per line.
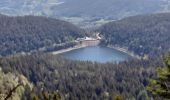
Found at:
<point>34,96</point>
<point>45,95</point>
<point>118,97</point>
<point>161,86</point>
<point>56,96</point>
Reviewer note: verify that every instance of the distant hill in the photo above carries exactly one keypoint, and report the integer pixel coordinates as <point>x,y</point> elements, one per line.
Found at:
<point>79,11</point>
<point>92,8</point>
<point>23,34</point>
<point>113,9</point>
<point>147,34</point>
<point>26,7</point>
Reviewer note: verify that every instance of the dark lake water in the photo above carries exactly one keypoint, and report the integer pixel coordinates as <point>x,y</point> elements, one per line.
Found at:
<point>96,53</point>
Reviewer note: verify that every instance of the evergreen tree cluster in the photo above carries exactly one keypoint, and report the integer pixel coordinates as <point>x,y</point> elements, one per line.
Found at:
<point>33,33</point>
<point>80,80</point>
<point>160,87</point>
<point>143,34</point>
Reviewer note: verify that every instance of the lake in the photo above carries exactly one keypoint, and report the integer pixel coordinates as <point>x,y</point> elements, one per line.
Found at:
<point>96,53</point>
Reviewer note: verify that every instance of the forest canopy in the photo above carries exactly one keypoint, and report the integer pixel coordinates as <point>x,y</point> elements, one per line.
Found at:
<point>27,33</point>
<point>143,34</point>
<point>83,80</point>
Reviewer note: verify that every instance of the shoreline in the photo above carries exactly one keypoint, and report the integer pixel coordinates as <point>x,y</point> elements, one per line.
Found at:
<point>83,46</point>
<point>67,49</point>
<point>125,51</point>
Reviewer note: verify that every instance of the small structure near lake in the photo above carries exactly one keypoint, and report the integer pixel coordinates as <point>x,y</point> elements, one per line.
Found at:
<point>88,41</point>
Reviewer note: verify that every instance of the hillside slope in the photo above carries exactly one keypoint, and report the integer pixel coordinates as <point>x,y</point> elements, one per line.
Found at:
<point>142,34</point>
<point>23,34</point>
<point>108,9</point>
<point>100,8</point>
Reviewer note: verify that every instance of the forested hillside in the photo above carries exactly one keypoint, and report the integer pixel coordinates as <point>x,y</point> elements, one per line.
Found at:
<point>23,34</point>
<point>145,34</point>
<point>76,80</point>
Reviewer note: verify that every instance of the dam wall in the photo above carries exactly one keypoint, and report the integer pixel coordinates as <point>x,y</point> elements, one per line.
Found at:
<point>89,42</point>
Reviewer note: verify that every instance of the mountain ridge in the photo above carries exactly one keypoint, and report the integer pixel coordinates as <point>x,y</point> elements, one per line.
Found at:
<point>85,11</point>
